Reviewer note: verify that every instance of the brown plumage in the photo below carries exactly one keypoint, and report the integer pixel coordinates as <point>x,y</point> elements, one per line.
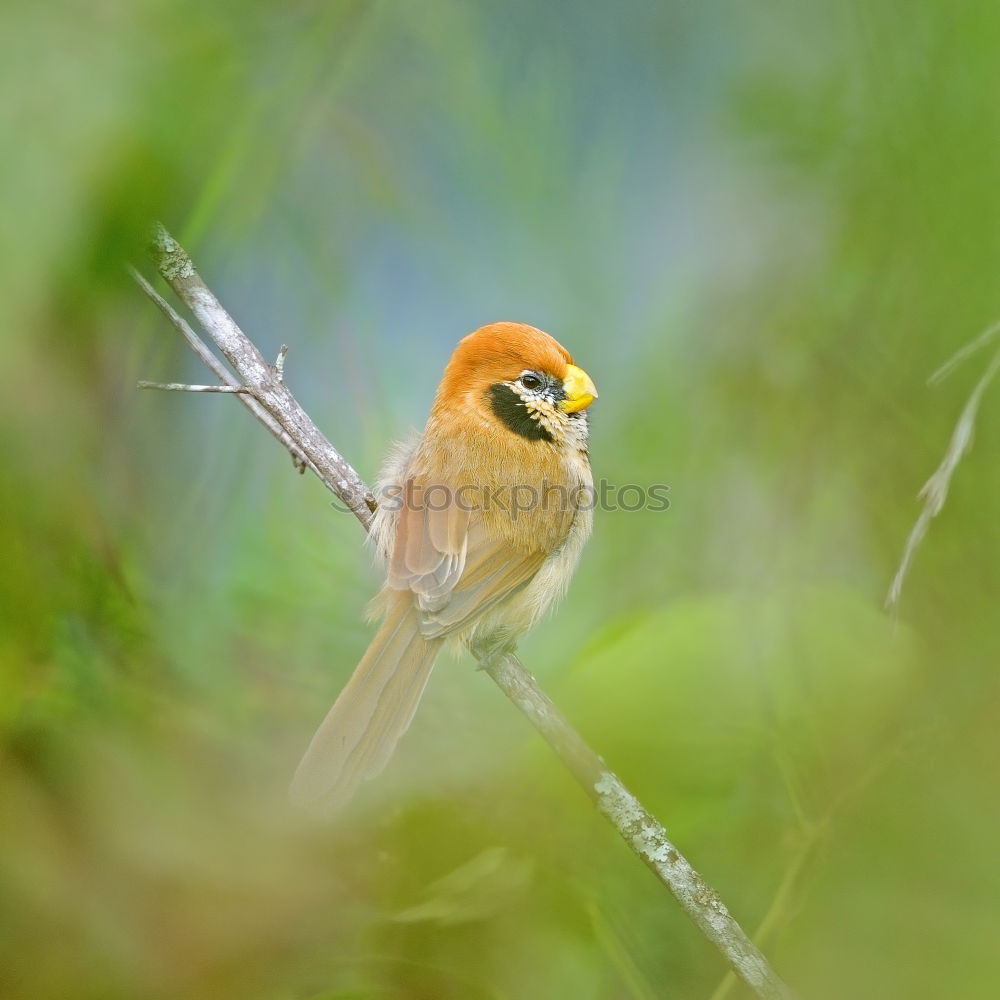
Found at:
<point>482,524</point>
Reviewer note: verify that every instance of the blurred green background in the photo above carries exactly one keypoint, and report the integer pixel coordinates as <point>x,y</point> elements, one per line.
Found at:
<point>760,227</point>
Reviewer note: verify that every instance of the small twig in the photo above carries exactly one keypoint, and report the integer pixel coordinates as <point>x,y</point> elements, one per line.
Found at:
<point>302,436</point>
<point>223,374</point>
<point>279,363</point>
<point>184,387</point>
<point>184,329</point>
<point>647,837</point>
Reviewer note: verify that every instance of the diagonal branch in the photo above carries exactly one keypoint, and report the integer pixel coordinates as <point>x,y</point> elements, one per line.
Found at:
<point>224,375</point>
<point>262,384</point>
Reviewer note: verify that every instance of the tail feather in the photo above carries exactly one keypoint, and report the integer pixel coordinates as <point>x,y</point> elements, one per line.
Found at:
<point>360,732</point>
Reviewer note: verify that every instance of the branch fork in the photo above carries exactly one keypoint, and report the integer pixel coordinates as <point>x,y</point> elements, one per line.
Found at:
<point>278,368</point>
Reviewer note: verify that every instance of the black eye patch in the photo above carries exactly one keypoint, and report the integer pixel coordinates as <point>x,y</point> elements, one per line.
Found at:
<point>510,408</point>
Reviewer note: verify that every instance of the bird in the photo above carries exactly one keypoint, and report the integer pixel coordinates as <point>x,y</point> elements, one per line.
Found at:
<point>481,522</point>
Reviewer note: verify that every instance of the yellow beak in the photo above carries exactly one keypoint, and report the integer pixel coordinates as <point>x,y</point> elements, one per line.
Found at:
<point>580,390</point>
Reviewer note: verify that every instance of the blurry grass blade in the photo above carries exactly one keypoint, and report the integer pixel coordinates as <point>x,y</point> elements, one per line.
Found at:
<point>638,986</point>
<point>935,490</point>
<point>476,890</point>
<point>965,352</point>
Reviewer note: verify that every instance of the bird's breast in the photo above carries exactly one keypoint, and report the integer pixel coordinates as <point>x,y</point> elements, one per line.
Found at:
<point>523,491</point>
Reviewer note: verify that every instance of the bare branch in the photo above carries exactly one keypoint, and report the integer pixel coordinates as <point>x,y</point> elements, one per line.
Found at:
<point>647,838</point>
<point>224,375</point>
<point>331,470</point>
<point>640,830</point>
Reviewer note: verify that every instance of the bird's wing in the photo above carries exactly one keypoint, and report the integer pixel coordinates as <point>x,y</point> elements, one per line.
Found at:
<point>444,556</point>
<point>444,573</point>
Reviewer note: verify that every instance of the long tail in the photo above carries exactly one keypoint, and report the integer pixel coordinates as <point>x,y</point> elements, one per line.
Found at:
<point>358,735</point>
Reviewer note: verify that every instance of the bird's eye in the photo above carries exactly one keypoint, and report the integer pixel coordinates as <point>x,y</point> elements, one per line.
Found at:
<point>531,381</point>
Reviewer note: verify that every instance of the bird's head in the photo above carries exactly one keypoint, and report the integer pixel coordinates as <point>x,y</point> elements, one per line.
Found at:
<point>521,378</point>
